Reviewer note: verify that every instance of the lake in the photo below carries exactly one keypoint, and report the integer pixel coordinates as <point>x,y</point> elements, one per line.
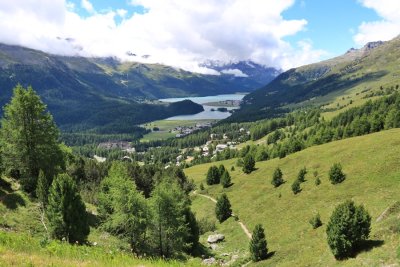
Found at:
<point>207,113</point>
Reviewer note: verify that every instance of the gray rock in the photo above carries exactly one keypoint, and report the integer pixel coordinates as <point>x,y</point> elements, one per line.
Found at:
<point>209,261</point>
<point>215,238</point>
<point>213,246</point>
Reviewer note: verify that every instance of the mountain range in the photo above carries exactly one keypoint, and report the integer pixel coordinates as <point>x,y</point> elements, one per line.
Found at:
<point>359,71</point>
<point>88,92</point>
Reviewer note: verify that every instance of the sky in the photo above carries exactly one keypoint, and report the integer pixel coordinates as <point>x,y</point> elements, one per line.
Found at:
<point>185,33</point>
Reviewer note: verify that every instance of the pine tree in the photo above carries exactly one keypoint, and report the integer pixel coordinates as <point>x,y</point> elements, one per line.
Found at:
<point>66,211</point>
<point>221,170</point>
<point>213,176</point>
<point>348,226</point>
<point>223,208</point>
<point>42,189</point>
<point>336,174</point>
<point>29,139</point>
<point>248,164</point>
<point>226,179</point>
<point>258,244</point>
<point>302,174</point>
<point>296,187</point>
<point>277,179</point>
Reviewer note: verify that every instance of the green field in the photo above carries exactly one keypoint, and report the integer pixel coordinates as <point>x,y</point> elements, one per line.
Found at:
<point>166,128</point>
<point>372,166</point>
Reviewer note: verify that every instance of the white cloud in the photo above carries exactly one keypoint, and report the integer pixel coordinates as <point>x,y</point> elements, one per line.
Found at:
<point>383,30</point>
<point>122,12</point>
<point>235,72</point>
<point>87,6</point>
<point>174,32</point>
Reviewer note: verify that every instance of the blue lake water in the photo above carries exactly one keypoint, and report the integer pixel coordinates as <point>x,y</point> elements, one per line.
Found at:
<point>207,113</point>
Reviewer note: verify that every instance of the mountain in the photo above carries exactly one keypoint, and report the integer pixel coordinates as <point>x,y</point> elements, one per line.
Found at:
<point>358,72</point>
<point>88,92</point>
<point>247,73</point>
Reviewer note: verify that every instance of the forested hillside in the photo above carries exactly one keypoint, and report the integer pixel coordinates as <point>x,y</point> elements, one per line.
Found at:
<point>364,72</point>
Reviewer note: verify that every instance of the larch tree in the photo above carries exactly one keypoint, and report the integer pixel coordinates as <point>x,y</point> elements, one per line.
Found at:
<point>30,139</point>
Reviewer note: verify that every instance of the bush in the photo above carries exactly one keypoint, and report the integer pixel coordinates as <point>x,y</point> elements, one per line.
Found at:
<point>201,186</point>
<point>223,208</point>
<point>336,174</point>
<point>315,221</point>
<point>317,181</point>
<point>277,179</point>
<point>348,226</point>
<point>258,244</point>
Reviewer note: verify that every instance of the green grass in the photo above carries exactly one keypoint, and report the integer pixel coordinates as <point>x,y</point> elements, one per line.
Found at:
<point>21,249</point>
<point>372,166</point>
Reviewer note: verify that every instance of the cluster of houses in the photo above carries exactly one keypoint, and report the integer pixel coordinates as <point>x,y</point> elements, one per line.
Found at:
<point>186,130</point>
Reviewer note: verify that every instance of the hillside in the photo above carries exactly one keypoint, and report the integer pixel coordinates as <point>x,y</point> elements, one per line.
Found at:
<point>371,164</point>
<point>358,74</point>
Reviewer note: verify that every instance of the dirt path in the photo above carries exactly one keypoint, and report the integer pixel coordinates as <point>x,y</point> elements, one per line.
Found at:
<point>242,225</point>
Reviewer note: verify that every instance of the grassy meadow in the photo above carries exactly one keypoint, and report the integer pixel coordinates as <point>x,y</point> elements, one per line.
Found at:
<point>372,166</point>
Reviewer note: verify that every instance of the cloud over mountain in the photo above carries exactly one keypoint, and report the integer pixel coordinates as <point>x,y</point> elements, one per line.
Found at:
<point>173,32</point>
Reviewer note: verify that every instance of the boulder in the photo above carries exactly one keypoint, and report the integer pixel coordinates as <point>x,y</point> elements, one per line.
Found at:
<point>215,238</point>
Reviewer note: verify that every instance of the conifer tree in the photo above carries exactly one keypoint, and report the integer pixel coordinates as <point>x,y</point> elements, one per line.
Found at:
<point>66,211</point>
<point>258,244</point>
<point>29,139</point>
<point>170,226</point>
<point>248,164</point>
<point>302,174</point>
<point>123,208</point>
<point>277,179</point>
<point>213,176</point>
<point>223,208</point>
<point>336,174</point>
<point>42,189</point>
<point>296,187</point>
<point>348,226</point>
<point>226,179</point>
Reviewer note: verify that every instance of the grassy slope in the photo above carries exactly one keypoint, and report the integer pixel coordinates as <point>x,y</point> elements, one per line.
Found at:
<point>373,178</point>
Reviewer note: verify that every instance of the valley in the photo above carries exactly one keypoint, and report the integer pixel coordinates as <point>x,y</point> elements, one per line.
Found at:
<point>218,133</point>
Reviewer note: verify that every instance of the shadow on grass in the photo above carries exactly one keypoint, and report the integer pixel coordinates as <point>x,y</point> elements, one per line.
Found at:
<point>5,186</point>
<point>363,246</point>
<point>12,201</point>
<point>367,245</point>
<point>202,251</point>
<point>270,254</point>
<point>93,219</point>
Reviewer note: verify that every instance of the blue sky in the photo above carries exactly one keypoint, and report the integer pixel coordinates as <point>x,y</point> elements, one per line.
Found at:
<point>331,24</point>
<point>185,33</point>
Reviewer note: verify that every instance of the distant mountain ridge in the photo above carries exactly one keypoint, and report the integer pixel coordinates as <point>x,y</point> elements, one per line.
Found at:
<point>374,65</point>
<point>71,86</point>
